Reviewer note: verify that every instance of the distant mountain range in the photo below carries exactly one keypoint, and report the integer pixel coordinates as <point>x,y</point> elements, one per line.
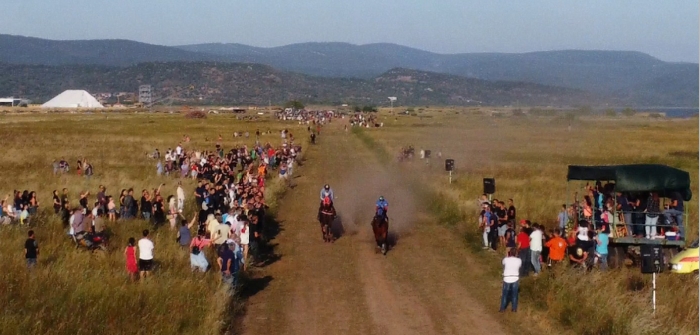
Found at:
<point>240,83</point>
<point>619,77</point>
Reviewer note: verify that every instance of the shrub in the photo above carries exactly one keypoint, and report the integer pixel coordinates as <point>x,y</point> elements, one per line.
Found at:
<point>196,115</point>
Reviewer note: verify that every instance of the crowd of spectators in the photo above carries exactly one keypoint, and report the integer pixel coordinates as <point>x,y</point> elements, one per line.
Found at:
<point>227,226</point>
<point>637,214</point>
<point>537,247</point>
<point>365,120</point>
<point>306,117</point>
<point>23,206</point>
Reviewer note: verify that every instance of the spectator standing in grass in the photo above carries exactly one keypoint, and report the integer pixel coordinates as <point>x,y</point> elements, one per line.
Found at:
<point>510,238</point>
<point>145,247</point>
<point>563,219</point>
<point>511,281</point>
<point>511,212</point>
<point>31,250</point>
<point>102,197</point>
<point>56,202</point>
<point>502,214</point>
<point>486,225</point>
<point>601,248</point>
<point>557,248</point>
<point>536,248</point>
<point>180,197</point>
<point>130,254</point>
<point>111,209</point>
<point>146,206</point>
<point>197,259</point>
<point>523,244</point>
<point>184,234</point>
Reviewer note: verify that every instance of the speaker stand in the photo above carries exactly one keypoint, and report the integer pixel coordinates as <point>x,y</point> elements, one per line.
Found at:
<point>653,292</point>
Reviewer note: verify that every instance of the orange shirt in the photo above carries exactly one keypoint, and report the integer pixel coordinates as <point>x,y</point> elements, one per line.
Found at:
<point>557,248</point>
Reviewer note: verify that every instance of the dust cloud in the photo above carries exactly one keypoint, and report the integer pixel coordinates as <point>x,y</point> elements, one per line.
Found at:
<point>357,194</point>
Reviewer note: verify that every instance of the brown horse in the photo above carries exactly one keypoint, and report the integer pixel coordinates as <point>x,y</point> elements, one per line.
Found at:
<point>326,216</point>
<point>380,227</point>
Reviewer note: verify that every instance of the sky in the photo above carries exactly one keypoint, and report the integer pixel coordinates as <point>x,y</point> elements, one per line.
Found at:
<point>667,30</point>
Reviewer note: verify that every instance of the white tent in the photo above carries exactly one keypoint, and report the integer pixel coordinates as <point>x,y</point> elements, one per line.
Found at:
<point>73,99</point>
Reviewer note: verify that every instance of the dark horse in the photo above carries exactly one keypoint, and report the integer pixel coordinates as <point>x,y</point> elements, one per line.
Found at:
<point>326,216</point>
<point>380,227</point>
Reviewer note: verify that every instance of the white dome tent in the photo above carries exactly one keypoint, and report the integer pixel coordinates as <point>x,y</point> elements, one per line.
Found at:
<point>73,99</point>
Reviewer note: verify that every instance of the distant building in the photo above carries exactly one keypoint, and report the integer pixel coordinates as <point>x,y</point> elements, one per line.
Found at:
<point>13,102</point>
<point>73,99</point>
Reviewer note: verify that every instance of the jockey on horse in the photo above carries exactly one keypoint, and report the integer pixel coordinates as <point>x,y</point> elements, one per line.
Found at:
<point>326,214</point>
<point>381,208</point>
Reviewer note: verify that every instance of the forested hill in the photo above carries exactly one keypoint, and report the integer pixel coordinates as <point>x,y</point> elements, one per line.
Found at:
<point>238,83</point>
<point>635,78</point>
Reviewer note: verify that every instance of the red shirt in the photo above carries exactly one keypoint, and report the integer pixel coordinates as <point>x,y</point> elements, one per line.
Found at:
<point>524,240</point>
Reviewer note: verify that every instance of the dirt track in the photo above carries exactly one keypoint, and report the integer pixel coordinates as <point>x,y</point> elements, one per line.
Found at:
<point>421,287</point>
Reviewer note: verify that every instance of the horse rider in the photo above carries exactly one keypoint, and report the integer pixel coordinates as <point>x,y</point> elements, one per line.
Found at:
<point>382,207</point>
<point>326,207</point>
<point>327,191</point>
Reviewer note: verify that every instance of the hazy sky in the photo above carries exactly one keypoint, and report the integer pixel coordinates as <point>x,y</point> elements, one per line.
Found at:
<point>665,29</point>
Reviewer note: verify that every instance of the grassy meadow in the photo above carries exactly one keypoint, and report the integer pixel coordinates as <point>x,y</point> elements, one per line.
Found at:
<point>75,292</point>
<point>528,157</point>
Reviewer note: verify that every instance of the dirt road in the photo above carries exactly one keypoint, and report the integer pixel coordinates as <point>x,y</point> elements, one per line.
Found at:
<point>421,286</point>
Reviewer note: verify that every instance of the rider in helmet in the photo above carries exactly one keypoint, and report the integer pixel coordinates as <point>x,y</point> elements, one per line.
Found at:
<point>327,192</point>
<point>382,207</point>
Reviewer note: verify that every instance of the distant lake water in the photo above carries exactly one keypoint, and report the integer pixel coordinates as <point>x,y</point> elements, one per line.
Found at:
<point>677,113</point>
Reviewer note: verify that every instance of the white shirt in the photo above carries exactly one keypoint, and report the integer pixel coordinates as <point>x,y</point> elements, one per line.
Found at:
<point>582,233</point>
<point>178,150</point>
<point>180,193</point>
<point>244,234</point>
<point>232,219</point>
<point>536,240</point>
<point>511,269</point>
<point>145,249</point>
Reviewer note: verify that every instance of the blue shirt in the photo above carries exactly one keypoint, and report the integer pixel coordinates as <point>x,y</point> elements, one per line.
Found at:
<point>382,205</point>
<point>563,219</point>
<point>602,247</point>
<point>328,193</point>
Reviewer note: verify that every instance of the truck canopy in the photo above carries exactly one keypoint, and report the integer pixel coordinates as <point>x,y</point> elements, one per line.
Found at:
<point>637,178</point>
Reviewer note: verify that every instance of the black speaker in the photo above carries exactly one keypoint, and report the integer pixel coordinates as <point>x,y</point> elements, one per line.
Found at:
<point>489,185</point>
<point>449,165</point>
<point>427,154</point>
<point>652,258</point>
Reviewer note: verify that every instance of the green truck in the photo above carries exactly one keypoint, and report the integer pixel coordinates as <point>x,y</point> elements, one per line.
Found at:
<point>619,196</point>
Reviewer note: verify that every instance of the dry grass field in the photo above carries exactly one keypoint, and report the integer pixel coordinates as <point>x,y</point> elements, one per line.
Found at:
<point>436,280</point>
<point>75,292</point>
<point>528,157</point>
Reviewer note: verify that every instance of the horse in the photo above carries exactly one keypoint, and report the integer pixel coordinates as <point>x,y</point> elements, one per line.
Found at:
<point>380,227</point>
<point>326,216</point>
